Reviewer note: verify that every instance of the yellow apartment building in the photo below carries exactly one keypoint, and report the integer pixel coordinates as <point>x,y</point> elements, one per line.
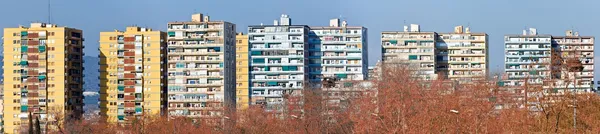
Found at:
<point>43,75</point>
<point>132,73</point>
<point>242,93</point>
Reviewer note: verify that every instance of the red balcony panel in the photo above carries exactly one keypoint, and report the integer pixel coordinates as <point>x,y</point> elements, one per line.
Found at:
<point>33,42</point>
<point>33,50</point>
<point>34,65</point>
<point>129,90</point>
<point>129,104</point>
<point>129,75</point>
<point>129,53</point>
<point>129,68</point>
<point>33,35</point>
<point>33,102</point>
<point>129,97</point>
<point>129,83</point>
<point>32,72</point>
<point>32,57</point>
<point>32,87</point>
<point>129,46</point>
<point>33,80</point>
<point>129,39</point>
<point>129,61</point>
<point>32,94</point>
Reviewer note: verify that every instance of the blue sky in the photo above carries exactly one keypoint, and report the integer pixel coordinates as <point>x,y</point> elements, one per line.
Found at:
<point>495,17</point>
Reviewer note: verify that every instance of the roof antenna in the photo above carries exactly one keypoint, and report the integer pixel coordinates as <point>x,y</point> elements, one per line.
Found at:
<point>49,13</point>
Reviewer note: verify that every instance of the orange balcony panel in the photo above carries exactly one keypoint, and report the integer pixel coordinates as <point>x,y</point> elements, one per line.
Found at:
<point>33,102</point>
<point>129,104</point>
<point>129,39</point>
<point>129,68</point>
<point>129,90</point>
<point>32,94</point>
<point>33,43</point>
<point>129,83</point>
<point>33,35</point>
<point>129,46</point>
<point>129,53</point>
<point>34,65</point>
<point>129,76</point>
<point>129,61</point>
<point>129,97</point>
<point>32,57</point>
<point>32,72</point>
<point>32,87</point>
<point>33,50</point>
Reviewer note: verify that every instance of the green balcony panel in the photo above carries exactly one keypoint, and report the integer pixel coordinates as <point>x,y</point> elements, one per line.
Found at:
<point>221,64</point>
<point>347,84</point>
<point>293,68</point>
<point>171,34</point>
<point>501,83</point>
<point>121,117</point>
<point>23,63</point>
<point>138,110</point>
<point>394,41</point>
<point>24,33</point>
<point>24,108</point>
<point>42,77</point>
<point>412,57</point>
<point>256,53</point>
<point>24,48</point>
<point>342,75</point>
<point>272,83</point>
<point>410,41</point>
<point>258,60</point>
<point>42,48</point>
<point>121,88</point>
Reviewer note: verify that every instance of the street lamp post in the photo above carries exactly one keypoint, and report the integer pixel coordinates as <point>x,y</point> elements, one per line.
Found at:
<point>457,121</point>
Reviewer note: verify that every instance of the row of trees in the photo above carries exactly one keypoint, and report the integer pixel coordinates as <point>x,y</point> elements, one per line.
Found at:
<point>400,104</point>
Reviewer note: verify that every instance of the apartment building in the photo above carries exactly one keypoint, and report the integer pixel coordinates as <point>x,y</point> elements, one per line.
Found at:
<point>201,67</point>
<point>462,56</point>
<point>338,50</point>
<point>242,70</point>
<point>44,76</point>
<point>278,61</point>
<point>527,58</point>
<point>411,47</point>
<point>132,71</point>
<point>575,56</point>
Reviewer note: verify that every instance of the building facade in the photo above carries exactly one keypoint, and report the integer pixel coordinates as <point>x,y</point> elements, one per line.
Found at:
<point>462,56</point>
<point>278,61</point>
<point>573,50</point>
<point>242,71</point>
<point>44,74</point>
<point>132,71</point>
<point>201,67</point>
<point>413,48</point>
<point>527,58</point>
<point>338,50</point>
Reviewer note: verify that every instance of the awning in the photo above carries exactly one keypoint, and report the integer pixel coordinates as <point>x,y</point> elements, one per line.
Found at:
<point>121,88</point>
<point>23,33</point>
<point>138,110</point>
<point>42,77</point>
<point>24,48</point>
<point>23,63</point>
<point>394,41</point>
